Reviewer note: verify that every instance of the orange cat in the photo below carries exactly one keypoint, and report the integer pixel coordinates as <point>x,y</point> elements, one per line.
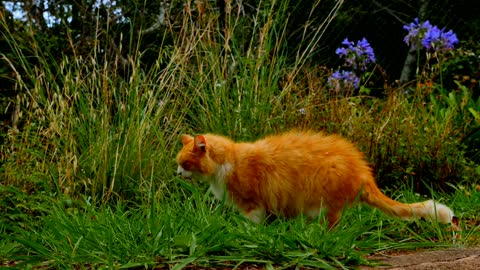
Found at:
<point>296,172</point>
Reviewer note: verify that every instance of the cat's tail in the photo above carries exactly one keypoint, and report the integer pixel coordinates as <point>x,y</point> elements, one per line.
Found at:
<point>429,210</point>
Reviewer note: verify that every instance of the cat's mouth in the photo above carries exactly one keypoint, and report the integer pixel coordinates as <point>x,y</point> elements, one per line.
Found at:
<point>183,173</point>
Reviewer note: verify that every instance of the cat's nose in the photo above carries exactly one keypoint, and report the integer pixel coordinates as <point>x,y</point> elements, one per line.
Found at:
<point>183,173</point>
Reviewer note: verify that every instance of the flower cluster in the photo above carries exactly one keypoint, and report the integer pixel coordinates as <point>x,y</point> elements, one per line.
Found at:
<point>357,56</point>
<point>429,36</point>
<point>343,80</point>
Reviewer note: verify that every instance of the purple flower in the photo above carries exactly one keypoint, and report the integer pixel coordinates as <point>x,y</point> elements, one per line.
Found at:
<point>341,51</point>
<point>429,36</point>
<point>449,39</point>
<point>438,39</point>
<point>343,80</point>
<point>416,32</point>
<point>358,55</point>
<point>348,43</point>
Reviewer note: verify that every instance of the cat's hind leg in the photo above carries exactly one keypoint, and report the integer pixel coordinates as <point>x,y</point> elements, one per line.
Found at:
<point>257,215</point>
<point>333,217</point>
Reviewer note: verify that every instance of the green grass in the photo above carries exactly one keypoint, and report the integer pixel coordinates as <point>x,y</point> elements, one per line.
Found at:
<point>191,229</point>
<point>88,173</point>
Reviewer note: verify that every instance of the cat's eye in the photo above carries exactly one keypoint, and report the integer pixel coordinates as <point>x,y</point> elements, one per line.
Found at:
<point>186,165</point>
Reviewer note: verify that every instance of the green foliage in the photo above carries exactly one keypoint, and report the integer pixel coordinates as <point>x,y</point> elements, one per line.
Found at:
<point>239,87</point>
<point>87,131</point>
<point>21,208</point>
<point>191,229</point>
<point>424,136</point>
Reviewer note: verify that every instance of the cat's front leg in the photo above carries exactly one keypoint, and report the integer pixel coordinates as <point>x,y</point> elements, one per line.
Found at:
<point>257,215</point>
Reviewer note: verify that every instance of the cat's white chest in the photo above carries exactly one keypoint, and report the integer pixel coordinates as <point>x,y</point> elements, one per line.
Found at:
<point>217,183</point>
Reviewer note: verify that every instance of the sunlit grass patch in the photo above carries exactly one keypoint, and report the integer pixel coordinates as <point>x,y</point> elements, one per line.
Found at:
<point>191,228</point>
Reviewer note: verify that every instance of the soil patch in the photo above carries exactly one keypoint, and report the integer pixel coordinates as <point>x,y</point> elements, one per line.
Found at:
<point>455,258</point>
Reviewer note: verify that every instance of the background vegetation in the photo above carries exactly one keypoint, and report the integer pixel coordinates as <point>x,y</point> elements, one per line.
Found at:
<point>96,93</point>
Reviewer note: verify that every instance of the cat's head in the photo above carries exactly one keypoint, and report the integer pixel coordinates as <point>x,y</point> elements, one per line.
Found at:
<point>193,158</point>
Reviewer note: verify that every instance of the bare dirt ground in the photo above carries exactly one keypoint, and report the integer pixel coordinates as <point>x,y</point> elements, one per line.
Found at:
<point>455,258</point>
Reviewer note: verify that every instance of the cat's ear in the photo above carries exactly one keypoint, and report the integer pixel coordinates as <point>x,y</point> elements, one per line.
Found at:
<point>199,143</point>
<point>186,139</point>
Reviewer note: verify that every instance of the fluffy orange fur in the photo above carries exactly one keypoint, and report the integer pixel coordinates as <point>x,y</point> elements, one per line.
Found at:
<point>293,173</point>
